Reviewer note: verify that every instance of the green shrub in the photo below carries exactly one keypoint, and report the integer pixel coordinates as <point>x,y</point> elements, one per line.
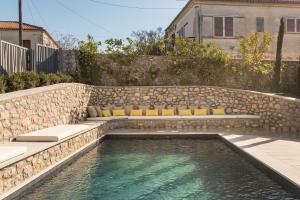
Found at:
<point>16,82</point>
<point>64,78</point>
<point>31,79</point>
<point>2,84</point>
<point>53,78</point>
<point>44,79</point>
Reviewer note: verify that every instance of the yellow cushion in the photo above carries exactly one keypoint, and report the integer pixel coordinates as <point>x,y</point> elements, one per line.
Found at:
<point>218,111</point>
<point>151,112</point>
<point>200,112</point>
<point>185,112</point>
<point>118,113</point>
<point>106,113</point>
<point>167,112</point>
<point>136,112</point>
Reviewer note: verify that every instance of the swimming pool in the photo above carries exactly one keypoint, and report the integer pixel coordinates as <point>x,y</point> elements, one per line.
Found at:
<point>151,169</point>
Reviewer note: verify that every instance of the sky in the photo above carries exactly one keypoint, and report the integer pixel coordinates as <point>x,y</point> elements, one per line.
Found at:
<point>95,17</point>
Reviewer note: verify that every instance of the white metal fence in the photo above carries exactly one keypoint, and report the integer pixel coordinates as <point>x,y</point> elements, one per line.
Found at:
<point>13,58</point>
<point>45,59</point>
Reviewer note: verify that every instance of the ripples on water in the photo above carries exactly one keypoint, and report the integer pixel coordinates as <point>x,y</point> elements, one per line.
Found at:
<point>160,170</point>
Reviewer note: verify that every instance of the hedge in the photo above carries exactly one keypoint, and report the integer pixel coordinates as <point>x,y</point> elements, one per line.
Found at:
<point>29,79</point>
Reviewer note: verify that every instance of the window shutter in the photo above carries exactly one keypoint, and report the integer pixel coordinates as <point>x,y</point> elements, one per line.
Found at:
<point>260,24</point>
<point>207,26</point>
<point>218,26</point>
<point>229,26</point>
<point>298,25</point>
<point>240,26</point>
<point>290,24</point>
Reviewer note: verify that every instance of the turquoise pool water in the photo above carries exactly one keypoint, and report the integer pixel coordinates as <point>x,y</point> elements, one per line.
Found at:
<point>160,170</point>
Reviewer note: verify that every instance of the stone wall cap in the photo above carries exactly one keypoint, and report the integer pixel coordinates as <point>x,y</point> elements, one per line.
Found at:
<point>33,91</point>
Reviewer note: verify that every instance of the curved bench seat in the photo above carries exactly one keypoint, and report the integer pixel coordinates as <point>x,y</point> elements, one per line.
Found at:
<point>53,134</point>
<point>192,117</point>
<point>9,152</point>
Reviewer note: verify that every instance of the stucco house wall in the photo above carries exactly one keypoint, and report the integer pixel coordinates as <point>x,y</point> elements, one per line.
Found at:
<point>48,41</point>
<point>198,18</point>
<point>12,36</point>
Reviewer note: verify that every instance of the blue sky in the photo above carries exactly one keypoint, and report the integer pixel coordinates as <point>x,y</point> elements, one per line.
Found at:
<point>82,17</point>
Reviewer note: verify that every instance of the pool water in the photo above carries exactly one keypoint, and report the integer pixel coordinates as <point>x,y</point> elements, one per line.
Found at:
<point>129,169</point>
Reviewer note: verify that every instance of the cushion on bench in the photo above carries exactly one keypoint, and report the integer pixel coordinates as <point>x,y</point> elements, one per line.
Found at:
<point>9,152</point>
<point>151,112</point>
<point>199,112</point>
<point>136,112</point>
<point>168,112</point>
<point>185,112</point>
<point>106,113</point>
<point>118,112</point>
<point>218,111</point>
<point>53,134</point>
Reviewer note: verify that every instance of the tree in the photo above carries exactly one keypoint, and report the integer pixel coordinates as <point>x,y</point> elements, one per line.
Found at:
<point>149,42</point>
<point>278,62</point>
<point>253,53</point>
<point>67,42</point>
<point>87,54</point>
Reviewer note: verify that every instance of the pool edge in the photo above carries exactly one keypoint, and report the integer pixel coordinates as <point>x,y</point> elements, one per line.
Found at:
<point>278,177</point>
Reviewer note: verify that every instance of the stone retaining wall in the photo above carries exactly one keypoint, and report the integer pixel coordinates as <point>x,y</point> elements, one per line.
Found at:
<point>15,174</point>
<point>39,108</point>
<point>278,114</point>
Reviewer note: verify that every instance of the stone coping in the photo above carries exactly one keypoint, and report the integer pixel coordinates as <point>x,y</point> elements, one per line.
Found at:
<point>174,117</point>
<point>33,91</point>
<point>37,147</point>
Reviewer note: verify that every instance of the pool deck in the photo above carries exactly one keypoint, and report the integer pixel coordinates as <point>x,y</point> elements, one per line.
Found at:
<point>281,155</point>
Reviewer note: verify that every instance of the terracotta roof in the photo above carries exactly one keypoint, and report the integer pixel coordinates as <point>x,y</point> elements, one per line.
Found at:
<point>13,25</point>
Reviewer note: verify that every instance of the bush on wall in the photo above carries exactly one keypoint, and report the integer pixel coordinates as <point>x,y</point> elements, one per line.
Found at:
<point>29,79</point>
<point>253,51</point>
<point>205,61</point>
<point>16,82</point>
<point>2,84</point>
<point>134,62</point>
<point>87,55</point>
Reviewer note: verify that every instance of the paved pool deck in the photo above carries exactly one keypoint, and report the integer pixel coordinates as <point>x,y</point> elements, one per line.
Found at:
<point>281,155</point>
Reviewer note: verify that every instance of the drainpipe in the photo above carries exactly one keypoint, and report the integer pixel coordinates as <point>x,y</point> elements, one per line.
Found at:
<point>200,25</point>
<point>196,24</point>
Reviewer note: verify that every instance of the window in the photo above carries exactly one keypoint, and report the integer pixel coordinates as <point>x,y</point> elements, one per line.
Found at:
<point>223,26</point>
<point>260,24</point>
<point>293,25</point>
<point>27,44</point>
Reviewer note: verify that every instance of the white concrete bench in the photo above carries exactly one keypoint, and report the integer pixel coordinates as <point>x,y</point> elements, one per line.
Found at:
<point>9,152</point>
<point>176,117</point>
<point>53,134</point>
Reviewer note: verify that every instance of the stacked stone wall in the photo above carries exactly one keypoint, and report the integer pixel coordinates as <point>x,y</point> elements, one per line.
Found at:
<point>278,114</point>
<point>34,109</point>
